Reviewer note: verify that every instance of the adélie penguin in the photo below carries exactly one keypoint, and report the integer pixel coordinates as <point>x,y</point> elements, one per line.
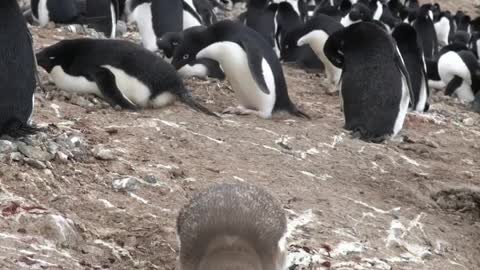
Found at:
<point>375,86</point>
<point>121,72</point>
<point>17,78</point>
<point>249,63</point>
<point>411,49</point>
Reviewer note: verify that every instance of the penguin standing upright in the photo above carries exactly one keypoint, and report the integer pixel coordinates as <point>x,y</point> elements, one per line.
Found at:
<point>289,28</point>
<point>460,71</point>
<point>119,71</point>
<point>375,85</point>
<point>261,17</point>
<point>426,31</point>
<point>232,226</point>
<point>109,10</point>
<point>443,28</point>
<point>412,53</point>
<point>317,30</point>
<point>155,18</point>
<point>57,11</point>
<point>17,78</point>
<point>249,63</point>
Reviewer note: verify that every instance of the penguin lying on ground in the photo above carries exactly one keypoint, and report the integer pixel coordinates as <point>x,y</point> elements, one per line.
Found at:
<point>201,68</point>
<point>460,71</point>
<point>375,85</point>
<point>121,72</point>
<point>232,226</point>
<point>249,63</point>
<point>17,78</point>
<point>316,33</point>
<point>411,49</point>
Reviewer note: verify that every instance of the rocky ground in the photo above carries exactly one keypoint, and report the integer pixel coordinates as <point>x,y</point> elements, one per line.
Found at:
<point>101,188</point>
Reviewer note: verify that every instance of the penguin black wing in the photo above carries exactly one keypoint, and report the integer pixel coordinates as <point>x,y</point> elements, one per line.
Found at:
<point>255,63</point>
<point>333,48</point>
<point>108,87</point>
<point>401,66</point>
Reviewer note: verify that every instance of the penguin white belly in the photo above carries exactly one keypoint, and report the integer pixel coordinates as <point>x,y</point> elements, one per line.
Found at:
<point>317,39</point>
<point>451,65</point>
<point>30,120</point>
<point>465,93</point>
<point>378,12</point>
<point>442,28</point>
<point>142,15</point>
<point>403,108</point>
<point>422,98</point>
<point>132,89</point>
<point>162,100</point>
<point>234,62</point>
<point>346,21</point>
<point>478,47</point>
<point>75,84</point>
<point>114,21</point>
<point>43,13</point>
<point>197,70</point>
<point>189,20</point>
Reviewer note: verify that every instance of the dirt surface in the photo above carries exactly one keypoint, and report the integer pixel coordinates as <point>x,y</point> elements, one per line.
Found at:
<point>406,204</point>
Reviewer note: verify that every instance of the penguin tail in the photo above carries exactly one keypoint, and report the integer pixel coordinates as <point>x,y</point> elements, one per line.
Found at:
<point>293,110</point>
<point>187,98</point>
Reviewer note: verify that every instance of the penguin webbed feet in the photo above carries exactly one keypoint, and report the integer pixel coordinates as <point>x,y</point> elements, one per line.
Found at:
<point>16,129</point>
<point>362,134</point>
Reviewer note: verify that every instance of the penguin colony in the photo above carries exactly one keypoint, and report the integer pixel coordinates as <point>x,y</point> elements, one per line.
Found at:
<point>383,57</point>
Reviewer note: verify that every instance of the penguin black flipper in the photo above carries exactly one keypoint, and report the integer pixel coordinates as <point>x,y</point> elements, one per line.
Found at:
<point>453,85</point>
<point>255,62</point>
<point>105,80</point>
<point>333,48</point>
<point>401,66</point>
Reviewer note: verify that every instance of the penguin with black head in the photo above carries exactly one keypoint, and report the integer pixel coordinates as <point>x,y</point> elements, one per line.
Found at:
<point>316,33</point>
<point>200,68</point>
<point>411,50</point>
<point>375,85</point>
<point>119,71</point>
<point>17,77</point>
<point>426,30</point>
<point>358,13</point>
<point>289,29</point>
<point>249,63</point>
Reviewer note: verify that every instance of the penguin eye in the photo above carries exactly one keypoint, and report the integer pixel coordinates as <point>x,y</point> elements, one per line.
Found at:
<point>52,57</point>
<point>174,43</point>
<point>186,56</point>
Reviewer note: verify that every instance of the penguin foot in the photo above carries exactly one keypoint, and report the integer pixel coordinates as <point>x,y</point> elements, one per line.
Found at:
<point>240,110</point>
